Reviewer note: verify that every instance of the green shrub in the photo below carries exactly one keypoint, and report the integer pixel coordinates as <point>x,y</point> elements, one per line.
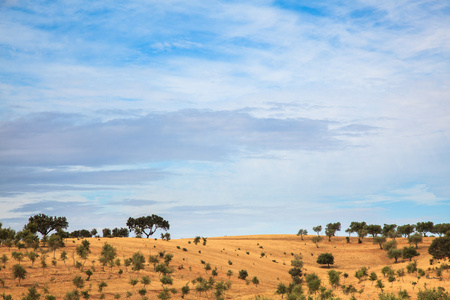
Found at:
<point>243,274</point>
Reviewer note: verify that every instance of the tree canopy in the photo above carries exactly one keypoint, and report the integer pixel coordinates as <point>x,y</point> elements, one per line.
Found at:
<point>441,229</point>
<point>440,248</point>
<point>424,227</point>
<point>331,228</point>
<point>374,230</point>
<point>150,223</point>
<point>302,232</point>
<point>318,229</point>
<point>44,224</point>
<point>325,259</point>
<point>406,230</point>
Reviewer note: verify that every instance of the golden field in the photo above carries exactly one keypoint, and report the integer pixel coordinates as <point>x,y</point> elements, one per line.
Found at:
<point>243,251</point>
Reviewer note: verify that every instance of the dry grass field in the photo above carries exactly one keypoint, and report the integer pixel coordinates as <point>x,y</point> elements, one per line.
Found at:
<point>243,251</point>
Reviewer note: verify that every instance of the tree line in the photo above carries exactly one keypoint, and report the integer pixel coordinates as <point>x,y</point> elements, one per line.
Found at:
<point>362,229</point>
<point>43,224</point>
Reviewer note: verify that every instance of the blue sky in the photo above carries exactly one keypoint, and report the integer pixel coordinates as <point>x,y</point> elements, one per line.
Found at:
<point>225,117</point>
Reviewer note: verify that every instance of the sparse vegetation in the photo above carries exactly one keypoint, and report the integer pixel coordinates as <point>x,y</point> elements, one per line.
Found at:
<point>184,266</point>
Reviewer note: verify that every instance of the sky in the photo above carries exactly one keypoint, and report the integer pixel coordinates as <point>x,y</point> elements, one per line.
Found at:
<point>225,117</point>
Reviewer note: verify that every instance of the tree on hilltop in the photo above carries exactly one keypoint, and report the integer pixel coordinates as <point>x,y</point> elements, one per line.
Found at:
<point>302,232</point>
<point>374,230</point>
<point>318,229</point>
<point>150,223</point>
<point>424,227</point>
<point>331,228</point>
<point>360,228</point>
<point>44,224</point>
<point>406,230</point>
<point>389,230</point>
<point>441,229</point>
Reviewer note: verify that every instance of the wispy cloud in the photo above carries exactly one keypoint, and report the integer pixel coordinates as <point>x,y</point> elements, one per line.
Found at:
<point>52,139</point>
<point>418,194</point>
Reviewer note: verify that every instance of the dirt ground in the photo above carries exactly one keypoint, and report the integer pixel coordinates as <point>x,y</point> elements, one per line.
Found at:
<point>244,252</point>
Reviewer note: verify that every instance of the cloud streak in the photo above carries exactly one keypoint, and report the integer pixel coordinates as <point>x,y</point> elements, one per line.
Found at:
<point>52,139</point>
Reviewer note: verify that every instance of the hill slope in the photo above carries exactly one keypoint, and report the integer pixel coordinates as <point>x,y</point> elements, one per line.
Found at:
<point>244,252</point>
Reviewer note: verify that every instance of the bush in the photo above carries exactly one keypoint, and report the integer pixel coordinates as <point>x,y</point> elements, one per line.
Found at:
<point>433,294</point>
<point>78,282</point>
<point>32,294</point>
<point>313,282</point>
<point>387,271</point>
<point>166,280</point>
<point>361,273</point>
<point>350,289</point>
<point>255,280</point>
<point>411,267</point>
<point>74,295</point>
<point>243,274</point>
<point>334,278</point>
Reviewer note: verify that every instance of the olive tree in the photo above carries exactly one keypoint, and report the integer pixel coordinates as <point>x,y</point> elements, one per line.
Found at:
<point>441,228</point>
<point>380,240</point>
<point>313,282</point>
<point>394,253</point>
<point>440,248</point>
<point>138,261</point>
<point>415,239</point>
<point>409,252</point>
<point>360,228</point>
<point>389,230</point>
<point>316,240</point>
<point>374,230</point>
<point>19,272</point>
<point>334,278</point>
<point>83,250</point>
<point>150,223</point>
<point>406,230</point>
<point>325,259</point>
<point>331,228</point>
<point>107,255</point>
<point>44,224</point>
<point>302,232</point>
<point>424,227</point>
<point>55,242</point>
<point>317,229</point>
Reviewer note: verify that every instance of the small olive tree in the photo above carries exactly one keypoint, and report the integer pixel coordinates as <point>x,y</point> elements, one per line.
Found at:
<point>325,259</point>
<point>19,272</point>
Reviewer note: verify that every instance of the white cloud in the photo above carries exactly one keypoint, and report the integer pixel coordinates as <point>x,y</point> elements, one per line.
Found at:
<point>270,87</point>
<point>418,194</point>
